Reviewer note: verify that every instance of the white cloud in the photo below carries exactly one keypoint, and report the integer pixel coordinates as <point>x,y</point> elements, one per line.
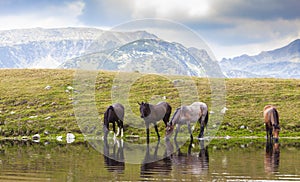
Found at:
<point>52,16</point>
<point>170,9</point>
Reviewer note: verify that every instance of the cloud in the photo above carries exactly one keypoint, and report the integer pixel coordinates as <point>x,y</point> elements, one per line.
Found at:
<point>44,15</point>
<point>170,9</point>
<point>222,23</point>
<point>106,13</point>
<point>258,9</point>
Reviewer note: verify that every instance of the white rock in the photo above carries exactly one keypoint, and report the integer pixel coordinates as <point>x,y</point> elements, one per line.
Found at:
<point>48,87</point>
<point>70,136</point>
<point>59,138</point>
<point>70,88</point>
<point>36,137</point>
<point>47,117</point>
<point>223,111</point>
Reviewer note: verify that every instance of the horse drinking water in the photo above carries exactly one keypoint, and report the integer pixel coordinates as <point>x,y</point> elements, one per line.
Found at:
<point>154,113</point>
<point>197,111</point>
<point>114,113</point>
<point>272,122</point>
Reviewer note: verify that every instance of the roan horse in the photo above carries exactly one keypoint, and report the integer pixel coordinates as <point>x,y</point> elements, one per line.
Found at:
<point>197,111</point>
<point>272,122</point>
<point>114,113</point>
<point>154,113</point>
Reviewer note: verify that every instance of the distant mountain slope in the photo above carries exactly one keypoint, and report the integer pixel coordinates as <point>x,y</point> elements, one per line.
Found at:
<point>148,56</point>
<point>49,48</point>
<point>280,63</point>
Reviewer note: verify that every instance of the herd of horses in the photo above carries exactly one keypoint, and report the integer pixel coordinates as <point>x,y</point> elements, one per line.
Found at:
<point>197,111</point>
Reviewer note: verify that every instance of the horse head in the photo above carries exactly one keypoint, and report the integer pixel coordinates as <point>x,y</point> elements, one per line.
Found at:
<point>169,129</point>
<point>144,109</point>
<point>276,130</point>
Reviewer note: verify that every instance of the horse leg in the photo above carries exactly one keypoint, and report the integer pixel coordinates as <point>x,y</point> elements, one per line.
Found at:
<point>147,131</point>
<point>106,129</point>
<point>267,130</point>
<point>190,131</point>
<point>201,129</point>
<point>271,133</point>
<point>114,129</point>
<point>121,127</point>
<point>176,132</point>
<point>156,129</point>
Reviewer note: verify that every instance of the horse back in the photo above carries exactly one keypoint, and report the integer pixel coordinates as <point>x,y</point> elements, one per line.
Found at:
<point>114,112</point>
<point>200,108</point>
<point>159,111</point>
<point>271,115</point>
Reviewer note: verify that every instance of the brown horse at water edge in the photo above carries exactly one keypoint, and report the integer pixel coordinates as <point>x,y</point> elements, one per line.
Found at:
<point>271,118</point>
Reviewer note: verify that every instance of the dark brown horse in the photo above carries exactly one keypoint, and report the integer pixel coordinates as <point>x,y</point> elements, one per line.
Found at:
<point>272,122</point>
<point>114,113</point>
<point>154,113</point>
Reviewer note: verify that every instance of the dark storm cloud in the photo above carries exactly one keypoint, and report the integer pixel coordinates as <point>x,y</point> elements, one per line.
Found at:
<point>258,9</point>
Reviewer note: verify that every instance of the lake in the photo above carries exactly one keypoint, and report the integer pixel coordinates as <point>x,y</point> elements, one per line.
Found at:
<point>221,159</point>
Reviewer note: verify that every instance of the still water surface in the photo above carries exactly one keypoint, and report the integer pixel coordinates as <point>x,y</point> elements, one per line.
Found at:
<point>221,160</point>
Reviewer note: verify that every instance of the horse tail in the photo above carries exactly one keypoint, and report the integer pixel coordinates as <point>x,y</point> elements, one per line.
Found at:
<point>107,115</point>
<point>206,118</point>
<point>168,114</point>
<point>276,119</point>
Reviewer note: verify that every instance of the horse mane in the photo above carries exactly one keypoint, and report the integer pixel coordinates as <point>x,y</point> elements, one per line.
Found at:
<point>174,115</point>
<point>276,119</point>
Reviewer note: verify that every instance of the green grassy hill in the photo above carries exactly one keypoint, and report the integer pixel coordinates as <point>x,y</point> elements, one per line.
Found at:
<point>28,106</point>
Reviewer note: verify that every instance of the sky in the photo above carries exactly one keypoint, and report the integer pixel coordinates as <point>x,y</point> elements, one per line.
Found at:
<point>229,27</point>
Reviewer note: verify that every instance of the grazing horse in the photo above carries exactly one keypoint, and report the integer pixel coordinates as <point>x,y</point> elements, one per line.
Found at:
<point>154,113</point>
<point>114,113</point>
<point>272,122</point>
<point>197,111</point>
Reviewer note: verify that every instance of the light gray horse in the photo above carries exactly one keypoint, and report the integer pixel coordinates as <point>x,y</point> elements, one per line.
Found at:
<point>197,111</point>
<point>154,113</point>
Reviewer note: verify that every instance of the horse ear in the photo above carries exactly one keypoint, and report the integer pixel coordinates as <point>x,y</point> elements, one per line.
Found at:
<point>139,103</point>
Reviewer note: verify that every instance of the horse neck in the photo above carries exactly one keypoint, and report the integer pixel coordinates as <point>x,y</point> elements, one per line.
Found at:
<point>175,117</point>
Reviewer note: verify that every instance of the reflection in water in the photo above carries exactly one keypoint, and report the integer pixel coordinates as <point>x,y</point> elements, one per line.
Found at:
<point>114,161</point>
<point>189,163</point>
<point>151,165</point>
<point>185,163</point>
<point>272,157</point>
<point>79,161</point>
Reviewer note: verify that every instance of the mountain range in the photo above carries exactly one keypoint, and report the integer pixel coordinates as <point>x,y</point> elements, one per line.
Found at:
<point>283,62</point>
<point>49,48</point>
<point>135,51</point>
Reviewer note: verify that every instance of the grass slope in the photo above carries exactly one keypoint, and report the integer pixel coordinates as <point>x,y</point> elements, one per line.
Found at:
<point>27,107</point>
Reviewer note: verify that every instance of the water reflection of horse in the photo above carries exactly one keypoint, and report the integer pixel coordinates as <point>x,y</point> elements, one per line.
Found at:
<point>114,113</point>
<point>114,160</point>
<point>197,111</point>
<point>154,113</point>
<point>272,157</point>
<point>152,164</point>
<point>272,122</point>
<point>190,163</point>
